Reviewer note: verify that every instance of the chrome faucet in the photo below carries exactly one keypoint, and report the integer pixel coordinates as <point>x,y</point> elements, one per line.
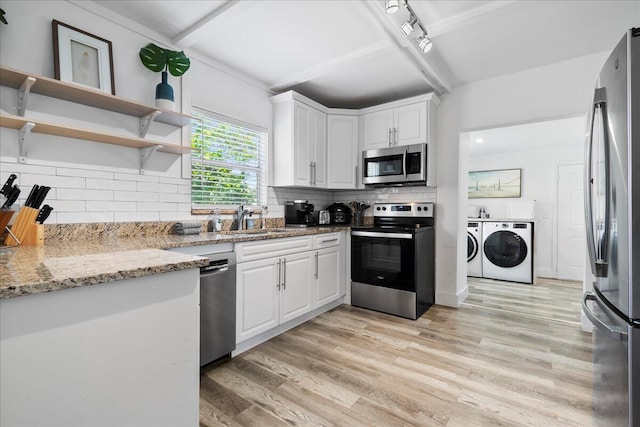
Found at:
<point>482,212</point>
<point>241,213</point>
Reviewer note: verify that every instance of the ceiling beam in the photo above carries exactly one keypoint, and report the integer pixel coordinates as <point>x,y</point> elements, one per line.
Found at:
<point>329,66</point>
<point>466,18</point>
<point>434,78</point>
<point>194,33</point>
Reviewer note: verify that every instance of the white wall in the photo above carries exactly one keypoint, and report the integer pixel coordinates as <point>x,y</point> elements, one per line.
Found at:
<point>553,91</point>
<point>539,184</point>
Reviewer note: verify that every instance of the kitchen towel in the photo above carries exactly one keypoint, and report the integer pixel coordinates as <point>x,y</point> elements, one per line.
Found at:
<point>192,226</point>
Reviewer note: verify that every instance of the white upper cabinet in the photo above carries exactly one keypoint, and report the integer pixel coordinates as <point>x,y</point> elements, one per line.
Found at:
<point>342,151</point>
<point>300,143</point>
<point>390,127</point>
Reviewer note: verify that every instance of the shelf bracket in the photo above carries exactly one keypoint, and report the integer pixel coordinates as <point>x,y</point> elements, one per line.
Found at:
<point>23,94</point>
<point>23,141</point>
<point>145,155</point>
<point>146,121</point>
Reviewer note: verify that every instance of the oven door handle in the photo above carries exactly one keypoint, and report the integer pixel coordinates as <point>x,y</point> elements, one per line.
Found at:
<point>383,235</point>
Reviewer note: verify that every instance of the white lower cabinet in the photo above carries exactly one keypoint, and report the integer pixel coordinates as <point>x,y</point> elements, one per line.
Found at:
<point>329,275</point>
<point>276,290</point>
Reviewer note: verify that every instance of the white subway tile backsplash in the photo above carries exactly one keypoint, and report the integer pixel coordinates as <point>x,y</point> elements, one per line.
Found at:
<point>185,189</point>
<point>175,197</point>
<point>68,205</point>
<point>18,168</point>
<point>53,181</point>
<point>170,180</point>
<point>81,194</point>
<point>158,207</point>
<point>87,173</point>
<point>136,216</point>
<point>135,177</point>
<point>178,216</point>
<point>83,217</point>
<point>108,206</point>
<point>110,184</point>
<point>135,196</point>
<point>157,187</point>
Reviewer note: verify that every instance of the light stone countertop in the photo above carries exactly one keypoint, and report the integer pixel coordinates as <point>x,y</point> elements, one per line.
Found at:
<point>57,265</point>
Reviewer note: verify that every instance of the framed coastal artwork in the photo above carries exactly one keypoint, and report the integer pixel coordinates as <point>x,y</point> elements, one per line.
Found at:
<point>82,58</point>
<point>494,184</point>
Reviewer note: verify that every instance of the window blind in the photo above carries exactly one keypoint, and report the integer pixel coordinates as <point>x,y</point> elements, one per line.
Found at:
<point>228,163</point>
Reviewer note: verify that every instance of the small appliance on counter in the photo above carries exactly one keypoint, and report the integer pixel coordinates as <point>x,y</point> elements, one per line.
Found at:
<point>299,213</point>
<point>324,218</point>
<point>339,213</point>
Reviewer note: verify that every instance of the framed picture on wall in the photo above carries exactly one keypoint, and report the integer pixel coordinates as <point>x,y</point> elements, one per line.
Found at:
<point>494,184</point>
<point>82,58</point>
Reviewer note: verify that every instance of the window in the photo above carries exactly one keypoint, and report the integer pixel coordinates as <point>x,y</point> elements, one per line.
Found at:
<point>228,163</point>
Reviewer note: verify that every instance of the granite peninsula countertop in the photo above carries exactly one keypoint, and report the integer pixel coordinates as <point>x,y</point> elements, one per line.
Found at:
<point>57,265</point>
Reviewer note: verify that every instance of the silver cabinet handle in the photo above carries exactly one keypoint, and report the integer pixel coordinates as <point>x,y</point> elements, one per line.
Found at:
<point>310,173</point>
<point>279,271</point>
<point>284,273</point>
<point>395,136</point>
<point>355,181</point>
<point>383,235</point>
<point>616,333</point>
<point>328,241</point>
<point>598,251</point>
<point>316,265</point>
<point>389,137</point>
<point>315,173</point>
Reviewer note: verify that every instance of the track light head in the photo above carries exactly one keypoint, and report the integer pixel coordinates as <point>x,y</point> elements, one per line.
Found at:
<point>424,43</point>
<point>407,27</point>
<point>391,6</point>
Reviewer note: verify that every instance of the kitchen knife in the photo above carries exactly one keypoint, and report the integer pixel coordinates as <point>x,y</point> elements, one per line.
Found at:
<point>39,198</point>
<point>7,185</point>
<point>43,214</point>
<point>12,196</point>
<point>33,192</point>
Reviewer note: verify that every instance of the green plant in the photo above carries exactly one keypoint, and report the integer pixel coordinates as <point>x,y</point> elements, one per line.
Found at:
<point>159,59</point>
<point>2,18</point>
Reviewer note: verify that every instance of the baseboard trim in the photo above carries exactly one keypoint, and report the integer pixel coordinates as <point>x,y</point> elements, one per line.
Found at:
<point>452,300</point>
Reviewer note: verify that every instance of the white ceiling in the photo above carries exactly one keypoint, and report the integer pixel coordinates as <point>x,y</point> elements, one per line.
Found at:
<point>350,54</point>
<point>529,136</point>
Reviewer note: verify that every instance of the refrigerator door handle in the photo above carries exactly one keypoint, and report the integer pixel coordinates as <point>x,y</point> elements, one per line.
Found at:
<point>615,333</point>
<point>598,255</point>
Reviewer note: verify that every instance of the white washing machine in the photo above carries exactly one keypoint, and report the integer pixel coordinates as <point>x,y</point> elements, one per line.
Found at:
<point>474,249</point>
<point>507,249</point>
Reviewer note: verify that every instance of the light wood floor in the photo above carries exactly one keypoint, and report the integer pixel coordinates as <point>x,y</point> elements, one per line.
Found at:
<point>511,355</point>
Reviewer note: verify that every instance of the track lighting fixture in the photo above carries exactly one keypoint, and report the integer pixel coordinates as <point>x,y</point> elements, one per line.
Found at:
<point>424,42</point>
<point>391,6</point>
<point>407,27</point>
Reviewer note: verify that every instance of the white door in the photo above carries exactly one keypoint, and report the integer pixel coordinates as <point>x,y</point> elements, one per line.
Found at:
<point>257,298</point>
<point>296,292</point>
<point>328,274</point>
<point>410,124</point>
<point>571,240</point>
<point>378,127</point>
<point>301,144</point>
<point>342,148</point>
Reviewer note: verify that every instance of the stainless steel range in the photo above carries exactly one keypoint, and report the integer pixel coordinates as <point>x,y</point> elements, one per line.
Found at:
<point>393,262</point>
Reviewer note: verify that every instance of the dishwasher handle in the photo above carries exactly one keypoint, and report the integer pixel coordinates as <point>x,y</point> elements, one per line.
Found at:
<point>213,269</point>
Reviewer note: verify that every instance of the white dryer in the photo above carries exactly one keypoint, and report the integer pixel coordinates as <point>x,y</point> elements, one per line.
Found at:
<point>508,251</point>
<point>474,249</point>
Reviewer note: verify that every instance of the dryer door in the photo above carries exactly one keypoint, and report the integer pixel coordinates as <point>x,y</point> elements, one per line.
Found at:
<point>505,249</point>
<point>472,246</point>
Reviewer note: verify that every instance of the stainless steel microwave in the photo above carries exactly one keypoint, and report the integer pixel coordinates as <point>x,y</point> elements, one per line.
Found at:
<point>404,165</point>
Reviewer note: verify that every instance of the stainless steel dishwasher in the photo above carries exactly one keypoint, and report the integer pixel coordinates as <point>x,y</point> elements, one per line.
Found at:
<point>217,307</point>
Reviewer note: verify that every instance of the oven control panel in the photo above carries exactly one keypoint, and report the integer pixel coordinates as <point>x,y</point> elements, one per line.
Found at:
<point>414,209</point>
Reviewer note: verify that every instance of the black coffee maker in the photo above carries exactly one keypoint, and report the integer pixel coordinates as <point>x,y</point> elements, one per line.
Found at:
<point>340,213</point>
<point>299,213</point>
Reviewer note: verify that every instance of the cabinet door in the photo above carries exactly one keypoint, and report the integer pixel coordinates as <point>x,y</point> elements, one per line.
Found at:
<point>319,143</point>
<point>302,144</point>
<point>342,149</point>
<point>296,293</point>
<point>377,128</point>
<point>329,271</point>
<point>410,124</point>
<point>257,297</point>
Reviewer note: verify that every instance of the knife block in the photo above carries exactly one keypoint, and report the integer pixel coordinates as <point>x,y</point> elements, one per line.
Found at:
<point>34,235</point>
<point>5,217</point>
<point>22,226</point>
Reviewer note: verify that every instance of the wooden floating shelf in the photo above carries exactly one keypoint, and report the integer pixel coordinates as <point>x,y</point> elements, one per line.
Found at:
<point>16,122</point>
<point>84,95</point>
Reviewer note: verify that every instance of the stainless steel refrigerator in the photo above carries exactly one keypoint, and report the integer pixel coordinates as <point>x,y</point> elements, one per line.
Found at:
<point>612,208</point>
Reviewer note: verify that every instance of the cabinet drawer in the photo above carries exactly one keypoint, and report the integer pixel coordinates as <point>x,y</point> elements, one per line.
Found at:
<point>326,240</point>
<point>250,251</point>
